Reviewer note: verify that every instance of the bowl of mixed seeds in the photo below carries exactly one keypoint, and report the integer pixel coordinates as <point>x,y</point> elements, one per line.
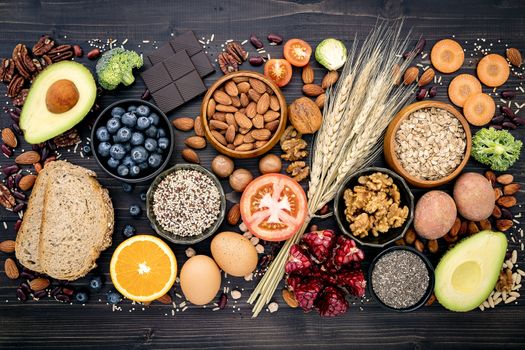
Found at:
<point>428,143</point>
<point>186,204</point>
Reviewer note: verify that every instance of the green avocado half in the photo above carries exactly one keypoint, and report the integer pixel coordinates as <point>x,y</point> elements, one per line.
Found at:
<point>467,273</point>
<point>59,98</point>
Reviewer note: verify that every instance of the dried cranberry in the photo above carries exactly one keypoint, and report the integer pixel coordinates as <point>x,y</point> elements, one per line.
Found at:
<point>320,243</point>
<point>354,281</point>
<point>332,302</point>
<point>346,252</point>
<point>298,261</point>
<point>306,293</point>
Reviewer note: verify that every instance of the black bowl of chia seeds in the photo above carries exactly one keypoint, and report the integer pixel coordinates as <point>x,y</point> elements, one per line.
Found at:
<point>401,279</point>
<point>186,204</point>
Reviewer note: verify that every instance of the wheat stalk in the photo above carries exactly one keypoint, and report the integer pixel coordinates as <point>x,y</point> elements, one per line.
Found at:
<point>356,114</point>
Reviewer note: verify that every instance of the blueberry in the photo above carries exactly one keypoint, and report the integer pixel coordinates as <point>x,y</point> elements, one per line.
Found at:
<point>128,188</point>
<point>86,149</point>
<point>154,160</point>
<point>117,112</point>
<point>161,133</point>
<point>129,230</point>
<point>142,111</point>
<point>113,163</point>
<point>134,210</point>
<point>143,123</point>
<point>143,196</point>
<point>102,134</point>
<point>117,151</point>
<point>127,147</point>
<point>124,134</point>
<point>132,108</point>
<point>103,149</point>
<point>144,165</point>
<point>134,170</point>
<point>127,161</point>
<point>139,154</point>
<point>122,170</point>
<point>150,144</point>
<point>154,119</point>
<point>151,131</point>
<point>113,125</point>
<point>96,283</point>
<point>81,297</point>
<point>113,297</point>
<point>137,138</point>
<point>163,143</point>
<point>129,119</point>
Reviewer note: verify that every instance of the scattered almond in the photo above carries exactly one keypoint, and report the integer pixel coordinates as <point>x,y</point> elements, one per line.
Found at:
<point>222,98</point>
<point>190,156</point>
<point>7,246</point>
<point>329,79</point>
<point>27,158</point>
<point>165,299</point>
<point>427,77</point>
<point>410,75</point>
<point>183,124</point>
<point>507,201</point>
<point>9,138</point>
<point>234,214</point>
<point>514,56</point>
<point>289,299</point>
<point>511,189</point>
<point>455,228</point>
<point>312,90</point>
<point>197,127</point>
<point>320,100</point>
<point>308,74</point>
<point>11,270</point>
<point>396,74</point>
<point>433,246</point>
<point>231,88</point>
<point>27,182</point>
<point>195,142</point>
<point>505,179</point>
<point>39,283</point>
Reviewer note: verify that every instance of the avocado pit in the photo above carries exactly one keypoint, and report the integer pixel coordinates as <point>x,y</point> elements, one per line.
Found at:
<point>61,96</point>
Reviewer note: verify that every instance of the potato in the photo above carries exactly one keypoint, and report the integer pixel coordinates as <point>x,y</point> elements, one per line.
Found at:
<point>434,215</point>
<point>474,196</point>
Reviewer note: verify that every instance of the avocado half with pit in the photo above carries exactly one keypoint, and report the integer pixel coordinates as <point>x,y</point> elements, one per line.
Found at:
<point>59,98</point>
<point>467,273</point>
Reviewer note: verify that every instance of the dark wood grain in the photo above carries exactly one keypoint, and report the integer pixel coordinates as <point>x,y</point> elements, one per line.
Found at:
<point>50,325</point>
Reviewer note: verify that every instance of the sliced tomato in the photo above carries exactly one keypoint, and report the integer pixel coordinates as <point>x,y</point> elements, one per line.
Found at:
<point>297,52</point>
<point>273,207</point>
<point>279,71</point>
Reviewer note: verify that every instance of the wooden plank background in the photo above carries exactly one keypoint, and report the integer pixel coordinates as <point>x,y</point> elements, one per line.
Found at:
<point>50,325</point>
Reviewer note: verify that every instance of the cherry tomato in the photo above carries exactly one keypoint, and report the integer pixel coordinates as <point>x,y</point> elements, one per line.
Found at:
<point>279,71</point>
<point>297,52</point>
<point>273,207</point>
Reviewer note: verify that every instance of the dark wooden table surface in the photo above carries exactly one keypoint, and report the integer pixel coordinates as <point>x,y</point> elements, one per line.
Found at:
<point>52,325</point>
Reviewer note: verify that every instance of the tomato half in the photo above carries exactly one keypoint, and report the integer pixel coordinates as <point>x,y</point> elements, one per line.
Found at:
<point>273,207</point>
<point>297,52</point>
<point>279,71</point>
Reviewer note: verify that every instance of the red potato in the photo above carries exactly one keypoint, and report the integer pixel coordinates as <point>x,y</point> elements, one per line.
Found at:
<point>434,215</point>
<point>474,196</point>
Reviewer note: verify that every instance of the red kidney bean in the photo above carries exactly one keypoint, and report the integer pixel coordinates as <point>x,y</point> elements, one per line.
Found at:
<point>508,94</point>
<point>18,223</point>
<point>40,294</point>
<point>421,94</point>
<point>19,207</point>
<point>55,291</point>
<point>93,54</point>
<point>63,298</point>
<point>6,150</point>
<point>18,195</point>
<point>24,285</point>
<point>10,182</point>
<point>433,91</point>
<point>16,128</point>
<point>495,126</point>
<point>146,95</point>
<point>21,295</point>
<point>256,42</point>
<point>275,38</point>
<point>15,117</point>
<point>509,125</point>
<point>26,275</point>
<point>10,169</point>
<point>223,301</point>
<point>507,111</point>
<point>18,177</point>
<point>256,60</point>
<point>44,153</point>
<point>498,119</point>
<point>518,121</point>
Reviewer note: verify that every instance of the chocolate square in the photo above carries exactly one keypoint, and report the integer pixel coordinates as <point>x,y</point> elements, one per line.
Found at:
<point>168,98</point>
<point>190,86</point>
<point>202,64</point>
<point>178,65</point>
<point>161,54</point>
<point>156,77</point>
<point>186,41</point>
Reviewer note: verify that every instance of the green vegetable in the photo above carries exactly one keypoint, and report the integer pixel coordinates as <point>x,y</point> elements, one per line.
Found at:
<point>116,66</point>
<point>495,148</point>
<point>331,53</point>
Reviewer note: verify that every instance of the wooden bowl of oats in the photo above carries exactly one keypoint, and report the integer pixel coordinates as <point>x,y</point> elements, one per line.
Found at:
<point>428,143</point>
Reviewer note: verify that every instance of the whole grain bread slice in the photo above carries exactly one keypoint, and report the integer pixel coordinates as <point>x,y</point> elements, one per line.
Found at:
<point>77,222</point>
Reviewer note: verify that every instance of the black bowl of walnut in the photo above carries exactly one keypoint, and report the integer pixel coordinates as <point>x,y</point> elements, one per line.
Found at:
<point>374,206</point>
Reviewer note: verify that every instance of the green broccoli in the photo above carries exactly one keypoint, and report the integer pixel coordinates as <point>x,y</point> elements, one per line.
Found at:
<point>116,66</point>
<point>495,148</point>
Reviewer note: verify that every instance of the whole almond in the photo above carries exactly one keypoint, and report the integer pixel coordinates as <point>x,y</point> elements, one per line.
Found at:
<point>39,283</point>
<point>505,179</point>
<point>308,74</point>
<point>271,116</point>
<point>7,246</point>
<point>9,138</point>
<point>190,156</point>
<point>319,101</point>
<point>289,299</point>
<point>166,299</point>
<point>258,85</point>
<point>222,98</point>
<point>489,174</point>
<point>426,77</point>
<point>183,124</point>
<point>272,126</point>
<point>27,182</point>
<point>231,88</point>
<point>240,79</point>
<point>195,142</point>
<point>329,79</point>
<point>230,134</point>
<point>236,102</point>
<point>410,75</point>
<point>312,90</point>
<point>396,74</point>
<point>254,95</point>
<point>220,116</point>
<point>239,140</point>
<point>245,101</point>
<point>261,134</point>
<point>197,127</point>
<point>507,201</point>
<point>504,224</point>
<point>274,103</point>
<point>234,214</point>
<point>11,270</point>
<point>243,87</point>
<point>251,110</point>
<point>215,124</point>
<point>485,224</point>
<point>263,104</point>
<point>514,56</point>
<point>496,212</point>
<point>258,121</point>
<point>511,189</point>
<point>210,109</point>
<point>243,121</point>
<point>248,138</point>
<point>226,108</point>
<point>244,147</point>
<point>28,158</point>
<point>219,137</point>
<point>244,131</point>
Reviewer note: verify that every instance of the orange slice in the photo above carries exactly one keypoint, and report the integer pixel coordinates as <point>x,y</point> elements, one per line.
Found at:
<point>493,70</point>
<point>479,109</point>
<point>461,87</point>
<point>447,56</point>
<point>143,268</point>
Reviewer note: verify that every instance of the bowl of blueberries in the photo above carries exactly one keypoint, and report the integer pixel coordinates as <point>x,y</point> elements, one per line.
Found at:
<point>132,140</point>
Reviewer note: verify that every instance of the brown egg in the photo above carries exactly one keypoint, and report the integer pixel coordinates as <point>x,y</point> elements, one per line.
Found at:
<point>200,279</point>
<point>234,253</point>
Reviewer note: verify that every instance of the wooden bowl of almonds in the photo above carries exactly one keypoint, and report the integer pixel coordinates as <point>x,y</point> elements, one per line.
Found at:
<point>428,143</point>
<point>243,114</point>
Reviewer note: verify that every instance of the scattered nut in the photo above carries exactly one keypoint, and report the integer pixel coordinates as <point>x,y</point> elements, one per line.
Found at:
<point>222,166</point>
<point>236,294</point>
<point>270,164</point>
<point>190,252</point>
<point>239,179</point>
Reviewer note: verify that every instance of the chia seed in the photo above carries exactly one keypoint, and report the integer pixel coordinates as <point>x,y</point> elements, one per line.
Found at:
<point>186,203</point>
<point>400,279</point>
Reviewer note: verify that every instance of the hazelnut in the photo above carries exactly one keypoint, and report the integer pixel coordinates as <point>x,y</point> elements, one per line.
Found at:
<point>270,164</point>
<point>222,166</point>
<point>239,179</point>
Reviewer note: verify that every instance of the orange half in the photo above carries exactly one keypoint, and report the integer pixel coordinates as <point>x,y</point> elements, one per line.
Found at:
<point>143,268</point>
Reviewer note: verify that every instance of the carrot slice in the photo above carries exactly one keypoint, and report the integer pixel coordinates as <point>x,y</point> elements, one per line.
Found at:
<point>461,87</point>
<point>447,56</point>
<point>493,70</point>
<point>479,109</point>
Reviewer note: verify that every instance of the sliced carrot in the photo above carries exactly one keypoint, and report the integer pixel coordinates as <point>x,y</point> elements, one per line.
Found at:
<point>461,87</point>
<point>479,109</point>
<point>447,56</point>
<point>493,70</point>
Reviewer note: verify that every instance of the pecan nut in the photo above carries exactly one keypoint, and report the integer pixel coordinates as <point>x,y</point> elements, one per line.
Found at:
<point>20,99</point>
<point>46,61</point>
<point>15,86</point>
<point>6,198</point>
<point>43,45</point>
<point>227,63</point>
<point>61,53</point>
<point>67,139</point>
<point>236,50</point>
<point>19,52</point>
<point>7,70</point>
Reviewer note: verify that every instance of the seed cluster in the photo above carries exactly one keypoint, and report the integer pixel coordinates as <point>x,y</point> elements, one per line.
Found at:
<point>400,279</point>
<point>186,203</point>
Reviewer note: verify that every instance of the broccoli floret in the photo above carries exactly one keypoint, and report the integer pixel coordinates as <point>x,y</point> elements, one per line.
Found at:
<point>116,66</point>
<point>495,148</point>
